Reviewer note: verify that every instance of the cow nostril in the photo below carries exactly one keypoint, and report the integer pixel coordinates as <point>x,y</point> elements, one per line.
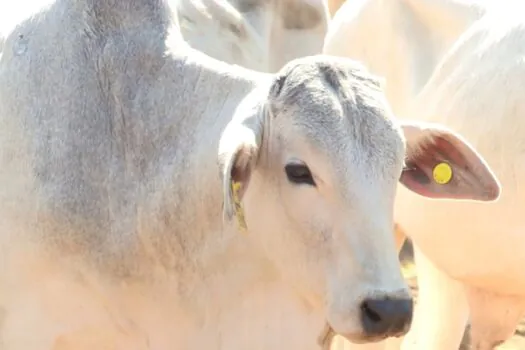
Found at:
<point>385,317</point>
<point>369,313</point>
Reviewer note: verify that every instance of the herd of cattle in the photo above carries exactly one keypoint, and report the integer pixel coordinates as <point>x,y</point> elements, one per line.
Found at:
<point>213,174</point>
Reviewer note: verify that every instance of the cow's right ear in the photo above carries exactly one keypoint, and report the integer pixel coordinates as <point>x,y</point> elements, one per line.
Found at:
<point>238,153</point>
<point>442,164</point>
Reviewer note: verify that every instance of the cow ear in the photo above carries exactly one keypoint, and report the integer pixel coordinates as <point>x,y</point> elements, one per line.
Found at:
<point>238,153</point>
<point>441,164</point>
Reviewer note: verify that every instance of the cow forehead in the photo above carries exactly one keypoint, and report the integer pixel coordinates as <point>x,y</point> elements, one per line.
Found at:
<point>339,108</point>
<point>356,154</point>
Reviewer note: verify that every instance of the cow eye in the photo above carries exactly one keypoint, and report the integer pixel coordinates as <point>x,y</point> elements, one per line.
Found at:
<point>299,174</point>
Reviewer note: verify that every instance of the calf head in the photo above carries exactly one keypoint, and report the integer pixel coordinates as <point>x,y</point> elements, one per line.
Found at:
<point>316,159</point>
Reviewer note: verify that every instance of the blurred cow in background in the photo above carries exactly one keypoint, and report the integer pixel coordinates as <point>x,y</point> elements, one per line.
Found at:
<point>258,34</point>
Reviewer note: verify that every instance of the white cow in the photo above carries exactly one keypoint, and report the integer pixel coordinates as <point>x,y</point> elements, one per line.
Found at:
<point>156,198</point>
<point>469,256</point>
<point>256,34</point>
<point>401,40</point>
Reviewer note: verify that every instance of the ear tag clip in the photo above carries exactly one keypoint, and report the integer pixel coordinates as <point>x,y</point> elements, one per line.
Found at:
<point>442,173</point>
<point>239,211</point>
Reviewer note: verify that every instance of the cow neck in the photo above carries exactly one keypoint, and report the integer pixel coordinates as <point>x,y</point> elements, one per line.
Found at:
<point>213,248</point>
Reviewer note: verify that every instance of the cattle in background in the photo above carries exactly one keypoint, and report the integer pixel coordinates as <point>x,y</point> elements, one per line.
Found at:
<point>457,63</point>
<point>258,34</point>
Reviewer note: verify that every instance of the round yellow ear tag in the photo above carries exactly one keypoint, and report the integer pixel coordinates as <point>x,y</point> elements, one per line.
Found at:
<point>442,173</point>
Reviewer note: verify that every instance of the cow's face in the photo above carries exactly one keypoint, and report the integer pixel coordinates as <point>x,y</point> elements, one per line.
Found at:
<point>316,167</point>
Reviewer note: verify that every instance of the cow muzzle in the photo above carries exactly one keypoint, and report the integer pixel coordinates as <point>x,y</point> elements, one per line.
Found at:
<point>383,317</point>
<point>380,317</point>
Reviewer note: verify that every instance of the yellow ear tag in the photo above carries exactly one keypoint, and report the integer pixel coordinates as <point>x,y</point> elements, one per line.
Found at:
<point>239,212</point>
<point>442,173</point>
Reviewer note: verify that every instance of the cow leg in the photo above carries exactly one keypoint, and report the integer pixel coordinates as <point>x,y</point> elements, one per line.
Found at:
<point>441,312</point>
<point>494,317</point>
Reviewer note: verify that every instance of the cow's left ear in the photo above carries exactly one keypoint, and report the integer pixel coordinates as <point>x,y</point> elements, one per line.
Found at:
<point>441,164</point>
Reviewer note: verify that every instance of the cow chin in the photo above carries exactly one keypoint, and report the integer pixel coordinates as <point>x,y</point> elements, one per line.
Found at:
<point>363,338</point>
<point>360,338</point>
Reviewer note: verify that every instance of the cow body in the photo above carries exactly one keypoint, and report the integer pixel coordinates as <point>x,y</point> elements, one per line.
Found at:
<point>415,35</point>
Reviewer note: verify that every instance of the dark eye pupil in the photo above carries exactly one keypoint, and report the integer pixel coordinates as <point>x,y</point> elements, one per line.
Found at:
<point>299,174</point>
